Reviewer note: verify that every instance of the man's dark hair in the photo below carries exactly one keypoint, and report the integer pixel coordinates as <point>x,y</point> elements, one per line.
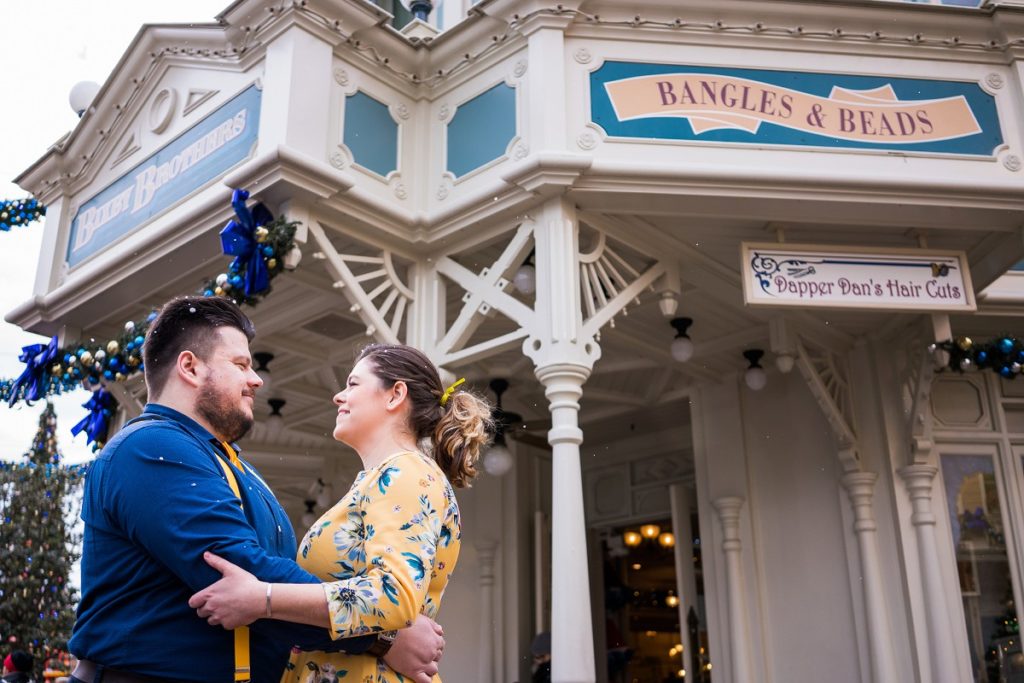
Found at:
<point>188,323</point>
<point>22,661</point>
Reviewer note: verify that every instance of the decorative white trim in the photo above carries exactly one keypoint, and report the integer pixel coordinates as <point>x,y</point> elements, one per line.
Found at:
<point>608,284</point>
<point>393,294</point>
<point>827,376</point>
<point>161,110</point>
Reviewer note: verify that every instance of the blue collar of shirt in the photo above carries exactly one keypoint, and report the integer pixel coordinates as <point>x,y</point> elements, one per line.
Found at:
<point>188,423</point>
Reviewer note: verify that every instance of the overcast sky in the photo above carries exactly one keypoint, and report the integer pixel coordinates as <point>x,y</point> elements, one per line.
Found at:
<point>49,46</point>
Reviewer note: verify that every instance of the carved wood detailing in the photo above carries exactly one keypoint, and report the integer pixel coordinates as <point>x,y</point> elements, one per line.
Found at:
<point>389,296</point>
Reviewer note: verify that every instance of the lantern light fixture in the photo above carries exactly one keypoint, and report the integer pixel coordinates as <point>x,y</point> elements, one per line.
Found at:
<point>755,376</point>
<point>682,345</point>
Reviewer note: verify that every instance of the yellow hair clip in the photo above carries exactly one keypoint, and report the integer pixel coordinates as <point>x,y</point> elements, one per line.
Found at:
<point>450,390</point>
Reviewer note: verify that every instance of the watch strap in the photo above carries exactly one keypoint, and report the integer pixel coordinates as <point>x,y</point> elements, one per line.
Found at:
<point>381,646</point>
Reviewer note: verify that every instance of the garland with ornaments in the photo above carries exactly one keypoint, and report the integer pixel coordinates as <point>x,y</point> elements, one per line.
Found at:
<point>263,247</point>
<point>17,212</point>
<point>1003,355</point>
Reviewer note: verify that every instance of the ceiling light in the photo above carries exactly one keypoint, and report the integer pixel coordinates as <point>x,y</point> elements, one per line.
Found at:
<point>755,377</point>
<point>275,421</point>
<point>682,345</point>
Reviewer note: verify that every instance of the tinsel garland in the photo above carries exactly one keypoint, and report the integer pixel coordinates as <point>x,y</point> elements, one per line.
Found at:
<point>92,364</point>
<point>16,212</point>
<point>1004,355</point>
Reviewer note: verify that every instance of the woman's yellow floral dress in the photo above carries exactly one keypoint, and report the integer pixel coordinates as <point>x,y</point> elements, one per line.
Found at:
<point>387,549</point>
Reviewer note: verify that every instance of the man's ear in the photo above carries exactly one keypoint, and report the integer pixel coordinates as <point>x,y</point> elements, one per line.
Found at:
<point>396,397</point>
<point>187,368</point>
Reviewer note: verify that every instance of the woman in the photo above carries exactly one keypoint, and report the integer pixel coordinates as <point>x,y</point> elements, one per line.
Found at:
<point>389,546</point>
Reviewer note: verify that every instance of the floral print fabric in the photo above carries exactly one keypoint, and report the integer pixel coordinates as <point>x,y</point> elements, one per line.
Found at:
<point>386,551</point>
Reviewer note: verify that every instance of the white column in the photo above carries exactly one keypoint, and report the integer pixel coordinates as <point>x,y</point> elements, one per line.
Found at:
<point>686,578</point>
<point>860,488</point>
<point>485,551</point>
<point>728,508</point>
<point>572,639</point>
<point>944,668</point>
<point>563,358</point>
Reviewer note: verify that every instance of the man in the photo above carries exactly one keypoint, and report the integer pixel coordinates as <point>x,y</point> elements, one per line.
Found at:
<point>18,667</point>
<point>170,486</point>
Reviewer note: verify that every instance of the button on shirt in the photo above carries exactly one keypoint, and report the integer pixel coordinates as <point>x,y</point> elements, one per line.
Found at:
<point>155,499</point>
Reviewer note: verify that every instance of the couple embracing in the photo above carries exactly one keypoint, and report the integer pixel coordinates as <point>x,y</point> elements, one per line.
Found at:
<point>190,570</point>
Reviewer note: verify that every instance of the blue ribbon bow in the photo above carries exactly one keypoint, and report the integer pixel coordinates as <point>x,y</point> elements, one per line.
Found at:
<point>238,239</point>
<point>97,422</point>
<point>37,359</point>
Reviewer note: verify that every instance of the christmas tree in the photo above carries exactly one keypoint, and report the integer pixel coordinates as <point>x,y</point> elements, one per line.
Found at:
<point>37,549</point>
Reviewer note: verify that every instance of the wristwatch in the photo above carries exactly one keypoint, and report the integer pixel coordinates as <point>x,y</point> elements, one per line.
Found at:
<point>380,647</point>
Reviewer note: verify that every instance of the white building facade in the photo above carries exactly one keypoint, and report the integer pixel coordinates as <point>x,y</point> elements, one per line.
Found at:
<point>858,519</point>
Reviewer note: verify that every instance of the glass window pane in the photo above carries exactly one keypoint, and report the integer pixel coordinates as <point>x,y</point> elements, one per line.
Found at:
<point>983,566</point>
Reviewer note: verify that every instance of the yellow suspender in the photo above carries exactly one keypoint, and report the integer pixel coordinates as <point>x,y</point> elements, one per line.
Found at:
<point>242,632</point>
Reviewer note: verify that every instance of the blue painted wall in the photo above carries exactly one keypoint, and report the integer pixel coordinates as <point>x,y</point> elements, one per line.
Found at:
<point>371,134</point>
<point>481,129</point>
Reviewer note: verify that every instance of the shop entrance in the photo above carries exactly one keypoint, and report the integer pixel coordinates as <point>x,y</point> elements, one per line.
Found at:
<point>655,620</point>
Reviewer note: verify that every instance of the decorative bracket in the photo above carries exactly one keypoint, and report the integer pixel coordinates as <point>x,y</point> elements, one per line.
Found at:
<point>485,293</point>
<point>828,379</point>
<point>394,295</point>
<point>918,379</point>
<point>606,292</point>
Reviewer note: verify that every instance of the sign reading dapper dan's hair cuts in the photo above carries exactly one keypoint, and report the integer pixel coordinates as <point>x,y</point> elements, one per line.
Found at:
<point>201,154</point>
<point>713,104</point>
<point>856,277</point>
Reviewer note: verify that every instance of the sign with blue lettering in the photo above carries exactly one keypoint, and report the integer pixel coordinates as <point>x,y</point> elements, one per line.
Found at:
<point>199,155</point>
<point>761,107</point>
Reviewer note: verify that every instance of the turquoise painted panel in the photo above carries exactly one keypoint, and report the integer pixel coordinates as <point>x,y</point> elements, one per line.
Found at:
<point>371,134</point>
<point>481,129</point>
<point>806,109</point>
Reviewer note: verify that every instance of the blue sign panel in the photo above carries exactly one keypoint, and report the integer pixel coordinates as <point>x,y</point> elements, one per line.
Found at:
<point>199,155</point>
<point>804,109</point>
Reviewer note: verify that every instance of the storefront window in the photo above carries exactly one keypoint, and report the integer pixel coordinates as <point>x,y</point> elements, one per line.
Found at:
<point>983,566</point>
<point>644,630</point>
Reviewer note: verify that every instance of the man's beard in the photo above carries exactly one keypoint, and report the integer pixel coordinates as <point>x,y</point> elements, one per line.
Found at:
<point>229,423</point>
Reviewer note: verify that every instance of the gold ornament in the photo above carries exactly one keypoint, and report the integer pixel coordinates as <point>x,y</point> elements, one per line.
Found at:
<point>113,347</point>
<point>965,343</point>
<point>261,234</point>
<point>133,361</point>
<point>272,263</point>
<point>120,377</point>
<point>86,358</point>
<point>219,291</point>
<point>55,369</point>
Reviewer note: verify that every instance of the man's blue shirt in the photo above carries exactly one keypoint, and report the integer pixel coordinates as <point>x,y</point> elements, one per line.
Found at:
<point>156,499</point>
